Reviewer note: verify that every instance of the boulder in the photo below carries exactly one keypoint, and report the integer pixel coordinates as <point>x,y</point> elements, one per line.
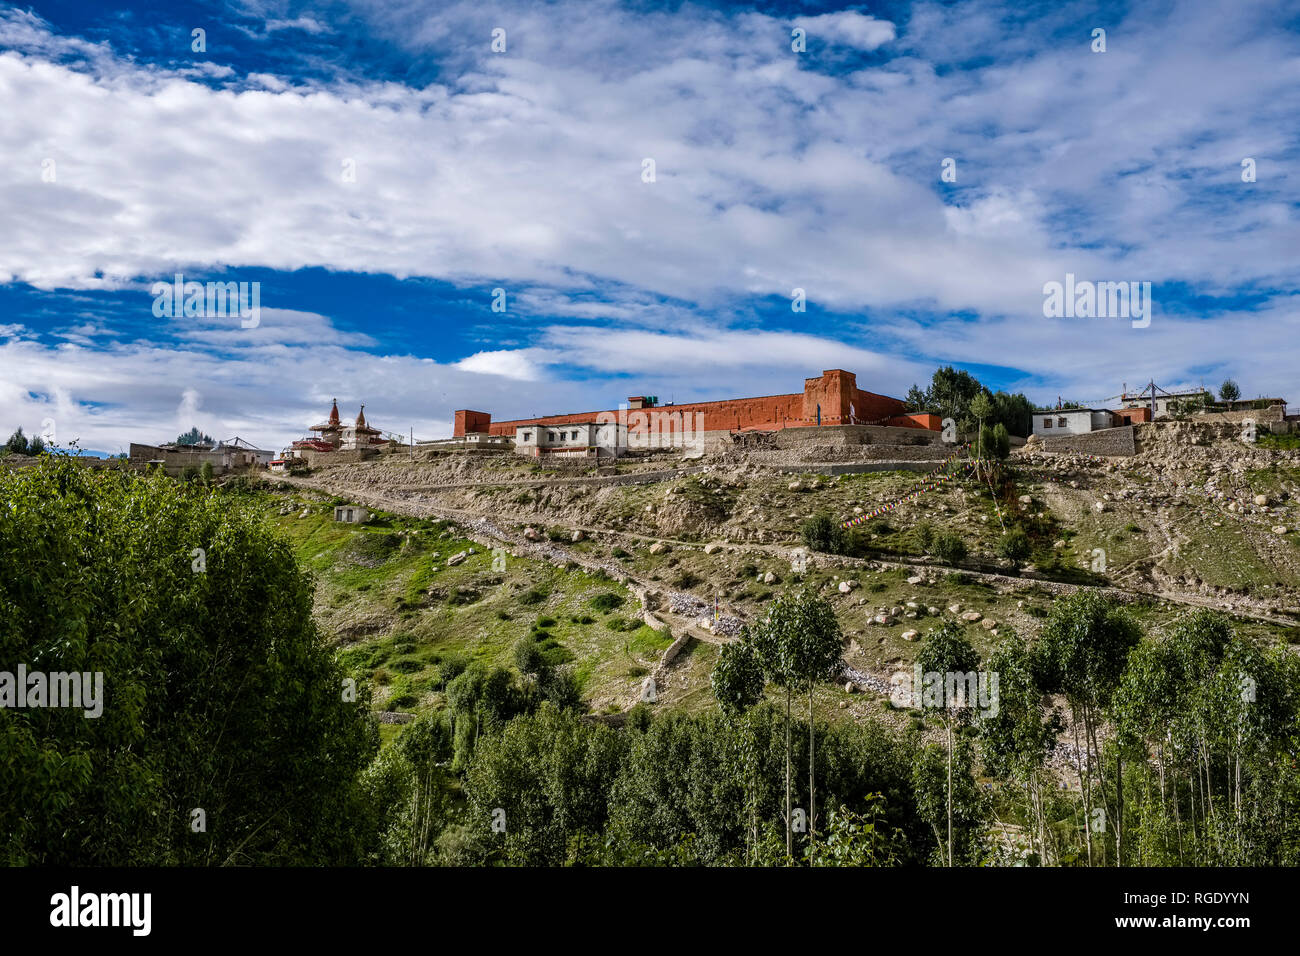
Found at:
<point>911,635</point>
<point>988,624</point>
<point>458,558</point>
<point>770,578</point>
<point>972,616</point>
<point>532,534</point>
<point>660,547</point>
<point>712,548</point>
<point>577,536</point>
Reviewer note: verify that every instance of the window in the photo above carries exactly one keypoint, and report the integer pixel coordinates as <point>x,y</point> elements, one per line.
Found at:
<point>574,436</point>
<point>550,436</point>
<point>1060,422</point>
<point>527,435</point>
<point>1047,423</point>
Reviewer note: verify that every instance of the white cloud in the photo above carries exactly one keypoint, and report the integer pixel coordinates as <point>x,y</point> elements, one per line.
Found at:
<point>524,170</point>
<point>848,28</point>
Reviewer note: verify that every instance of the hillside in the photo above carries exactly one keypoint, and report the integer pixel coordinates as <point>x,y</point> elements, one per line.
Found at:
<point>1194,519</point>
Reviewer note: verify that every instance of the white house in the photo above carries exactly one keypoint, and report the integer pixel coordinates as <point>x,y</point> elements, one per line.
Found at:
<point>577,439</point>
<point>1073,421</point>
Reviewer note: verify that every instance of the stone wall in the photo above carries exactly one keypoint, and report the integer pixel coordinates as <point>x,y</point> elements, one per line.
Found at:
<point>1107,442</point>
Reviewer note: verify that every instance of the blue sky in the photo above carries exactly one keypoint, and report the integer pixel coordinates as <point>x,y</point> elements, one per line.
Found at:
<point>522,170</point>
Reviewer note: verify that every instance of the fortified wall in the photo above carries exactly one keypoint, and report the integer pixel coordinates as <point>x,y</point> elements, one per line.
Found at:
<point>831,399</point>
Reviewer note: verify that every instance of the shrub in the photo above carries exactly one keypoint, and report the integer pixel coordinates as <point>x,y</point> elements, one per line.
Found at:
<point>1015,545</point>
<point>924,535</point>
<point>823,533</point>
<point>606,601</point>
<point>949,547</point>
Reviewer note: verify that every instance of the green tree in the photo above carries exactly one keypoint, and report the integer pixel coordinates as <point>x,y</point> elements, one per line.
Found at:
<point>218,692</point>
<point>1082,653</point>
<point>194,437</point>
<point>1228,391</point>
<point>1018,736</point>
<point>737,678</point>
<point>17,443</point>
<point>946,653</point>
<point>798,641</point>
<point>1001,444</point>
<point>205,472</point>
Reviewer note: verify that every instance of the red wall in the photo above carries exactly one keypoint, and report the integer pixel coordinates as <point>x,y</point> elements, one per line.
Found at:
<point>468,421</point>
<point>833,390</point>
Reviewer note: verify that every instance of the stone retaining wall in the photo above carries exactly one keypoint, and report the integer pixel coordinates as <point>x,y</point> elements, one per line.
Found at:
<point>1107,442</point>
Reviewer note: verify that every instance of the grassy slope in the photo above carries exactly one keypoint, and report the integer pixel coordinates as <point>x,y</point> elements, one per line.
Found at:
<point>386,595</point>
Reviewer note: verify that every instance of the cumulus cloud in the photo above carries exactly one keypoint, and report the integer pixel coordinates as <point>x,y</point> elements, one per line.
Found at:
<point>774,171</point>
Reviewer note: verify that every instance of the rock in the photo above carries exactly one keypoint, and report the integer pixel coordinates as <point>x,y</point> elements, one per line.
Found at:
<point>770,578</point>
<point>988,624</point>
<point>971,616</point>
<point>847,586</point>
<point>849,687</point>
<point>883,619</point>
<point>1058,544</point>
<point>532,534</point>
<point>1261,500</point>
<point>844,705</point>
<point>1099,507</point>
<point>577,536</point>
<point>932,611</point>
<point>911,635</point>
<point>1026,499</point>
<point>659,547</point>
<point>712,548</point>
<point>456,559</point>
<point>954,608</point>
<point>795,486</point>
<point>304,513</point>
<point>1279,529</point>
<point>916,579</point>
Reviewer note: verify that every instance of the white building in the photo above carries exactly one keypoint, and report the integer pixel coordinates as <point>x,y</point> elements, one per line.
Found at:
<point>350,514</point>
<point>1073,421</point>
<point>576,439</point>
<point>1167,403</point>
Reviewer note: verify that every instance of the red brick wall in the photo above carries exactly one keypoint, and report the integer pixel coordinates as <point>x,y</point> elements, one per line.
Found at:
<point>1132,416</point>
<point>468,421</point>
<point>834,390</point>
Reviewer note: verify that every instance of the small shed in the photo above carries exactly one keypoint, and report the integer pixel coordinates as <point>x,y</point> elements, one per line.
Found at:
<point>350,513</point>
